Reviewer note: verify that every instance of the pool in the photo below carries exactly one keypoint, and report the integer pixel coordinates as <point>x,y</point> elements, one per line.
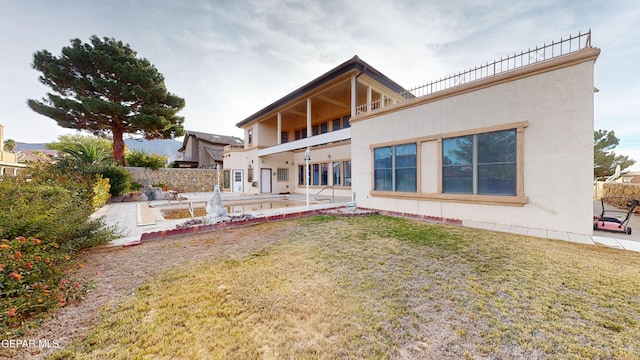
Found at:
<point>233,207</point>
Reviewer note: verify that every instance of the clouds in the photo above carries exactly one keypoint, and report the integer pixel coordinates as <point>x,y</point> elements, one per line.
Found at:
<point>229,59</point>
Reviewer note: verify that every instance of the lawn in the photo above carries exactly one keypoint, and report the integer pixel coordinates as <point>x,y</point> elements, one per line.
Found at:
<point>381,287</point>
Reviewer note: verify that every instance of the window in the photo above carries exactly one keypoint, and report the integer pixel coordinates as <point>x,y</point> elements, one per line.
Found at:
<point>283,174</point>
<point>336,124</point>
<point>324,174</point>
<point>347,172</point>
<point>284,137</point>
<point>482,164</point>
<point>301,172</point>
<point>345,121</point>
<point>337,180</point>
<point>324,128</point>
<point>395,168</point>
<point>301,134</point>
<point>315,174</point>
<point>316,130</point>
<point>250,136</point>
<point>226,179</point>
<point>250,174</point>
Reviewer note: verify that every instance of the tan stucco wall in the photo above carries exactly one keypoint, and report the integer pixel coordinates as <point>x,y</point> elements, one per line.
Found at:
<point>558,147</point>
<point>240,160</point>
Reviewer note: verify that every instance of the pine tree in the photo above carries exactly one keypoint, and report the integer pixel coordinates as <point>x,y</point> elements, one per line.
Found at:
<point>103,87</point>
<point>604,159</point>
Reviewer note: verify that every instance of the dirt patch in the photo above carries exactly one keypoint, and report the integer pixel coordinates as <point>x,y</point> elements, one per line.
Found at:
<point>117,271</point>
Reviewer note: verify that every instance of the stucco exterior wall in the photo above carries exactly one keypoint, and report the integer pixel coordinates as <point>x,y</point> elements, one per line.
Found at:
<point>557,106</point>
<point>240,160</point>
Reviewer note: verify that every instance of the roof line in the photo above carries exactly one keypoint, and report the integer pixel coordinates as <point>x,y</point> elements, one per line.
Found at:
<point>355,63</point>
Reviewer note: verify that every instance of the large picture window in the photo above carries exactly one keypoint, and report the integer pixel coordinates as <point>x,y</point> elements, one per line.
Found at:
<point>482,164</point>
<point>395,168</point>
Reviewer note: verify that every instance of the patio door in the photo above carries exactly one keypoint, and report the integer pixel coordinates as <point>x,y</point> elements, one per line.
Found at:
<point>265,180</point>
<point>237,181</point>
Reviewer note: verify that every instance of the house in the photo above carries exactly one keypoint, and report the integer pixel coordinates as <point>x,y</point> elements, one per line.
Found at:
<point>489,145</point>
<point>9,164</point>
<point>203,150</point>
<point>40,156</point>
<point>314,116</point>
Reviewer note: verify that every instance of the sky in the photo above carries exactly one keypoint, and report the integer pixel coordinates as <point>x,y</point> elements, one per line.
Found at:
<point>229,59</point>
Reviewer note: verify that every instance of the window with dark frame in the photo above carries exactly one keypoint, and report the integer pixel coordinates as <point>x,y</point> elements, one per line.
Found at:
<point>336,124</point>
<point>395,168</point>
<point>480,164</point>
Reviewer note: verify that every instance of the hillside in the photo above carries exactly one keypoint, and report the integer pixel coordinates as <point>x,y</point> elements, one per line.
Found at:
<point>168,148</point>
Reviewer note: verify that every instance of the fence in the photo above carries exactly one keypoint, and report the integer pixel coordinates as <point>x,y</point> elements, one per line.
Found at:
<point>515,61</point>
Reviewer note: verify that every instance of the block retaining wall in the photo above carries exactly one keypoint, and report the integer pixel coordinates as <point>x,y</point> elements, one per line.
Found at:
<point>181,180</point>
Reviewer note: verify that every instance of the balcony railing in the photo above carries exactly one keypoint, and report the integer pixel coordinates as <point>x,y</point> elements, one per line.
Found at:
<point>515,61</point>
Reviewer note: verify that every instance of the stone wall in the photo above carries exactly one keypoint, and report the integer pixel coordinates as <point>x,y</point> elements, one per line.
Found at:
<point>181,180</point>
<point>624,190</point>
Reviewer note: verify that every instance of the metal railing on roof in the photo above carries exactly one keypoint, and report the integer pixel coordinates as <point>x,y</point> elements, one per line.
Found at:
<point>515,61</point>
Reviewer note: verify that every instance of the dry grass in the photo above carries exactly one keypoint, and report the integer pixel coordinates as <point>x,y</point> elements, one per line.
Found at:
<point>381,287</point>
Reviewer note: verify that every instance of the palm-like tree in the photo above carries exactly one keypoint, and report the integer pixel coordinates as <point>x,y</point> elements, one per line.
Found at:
<point>87,153</point>
<point>9,145</point>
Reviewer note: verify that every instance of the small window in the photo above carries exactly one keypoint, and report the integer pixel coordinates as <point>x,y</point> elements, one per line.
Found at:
<point>250,136</point>
<point>324,128</point>
<point>304,133</point>
<point>316,130</point>
<point>298,135</point>
<point>345,121</point>
<point>283,174</point>
<point>226,179</point>
<point>336,124</point>
<point>284,137</point>
<point>301,172</point>
<point>250,174</point>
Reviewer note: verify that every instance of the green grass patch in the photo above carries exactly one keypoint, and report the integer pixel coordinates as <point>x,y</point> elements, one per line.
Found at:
<point>382,287</point>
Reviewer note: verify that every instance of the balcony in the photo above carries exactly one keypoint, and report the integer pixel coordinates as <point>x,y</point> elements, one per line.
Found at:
<point>333,136</point>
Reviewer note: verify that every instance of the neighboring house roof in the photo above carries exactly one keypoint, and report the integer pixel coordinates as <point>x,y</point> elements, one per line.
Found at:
<point>355,63</point>
<point>43,156</point>
<point>216,154</point>
<point>212,138</point>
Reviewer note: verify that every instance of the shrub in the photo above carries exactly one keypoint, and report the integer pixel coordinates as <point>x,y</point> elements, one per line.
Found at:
<point>51,207</point>
<point>139,158</point>
<point>35,276</point>
<point>118,176</point>
<point>100,193</point>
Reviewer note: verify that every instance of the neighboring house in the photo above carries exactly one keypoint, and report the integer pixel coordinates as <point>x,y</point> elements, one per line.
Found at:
<point>490,145</point>
<point>202,150</point>
<point>9,164</point>
<point>41,156</point>
<point>630,177</point>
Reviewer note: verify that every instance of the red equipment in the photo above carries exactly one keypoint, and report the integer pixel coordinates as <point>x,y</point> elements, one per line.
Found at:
<point>612,223</point>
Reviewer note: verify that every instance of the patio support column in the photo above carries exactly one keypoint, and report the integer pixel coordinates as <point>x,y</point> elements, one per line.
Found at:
<point>382,100</point>
<point>369,98</point>
<point>354,95</point>
<point>309,133</point>
<point>279,138</point>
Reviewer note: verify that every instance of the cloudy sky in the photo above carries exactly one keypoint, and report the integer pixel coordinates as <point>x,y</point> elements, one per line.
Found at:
<point>228,59</point>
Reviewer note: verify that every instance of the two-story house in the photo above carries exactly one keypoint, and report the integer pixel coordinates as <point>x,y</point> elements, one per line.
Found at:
<point>315,116</point>
<point>509,142</point>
